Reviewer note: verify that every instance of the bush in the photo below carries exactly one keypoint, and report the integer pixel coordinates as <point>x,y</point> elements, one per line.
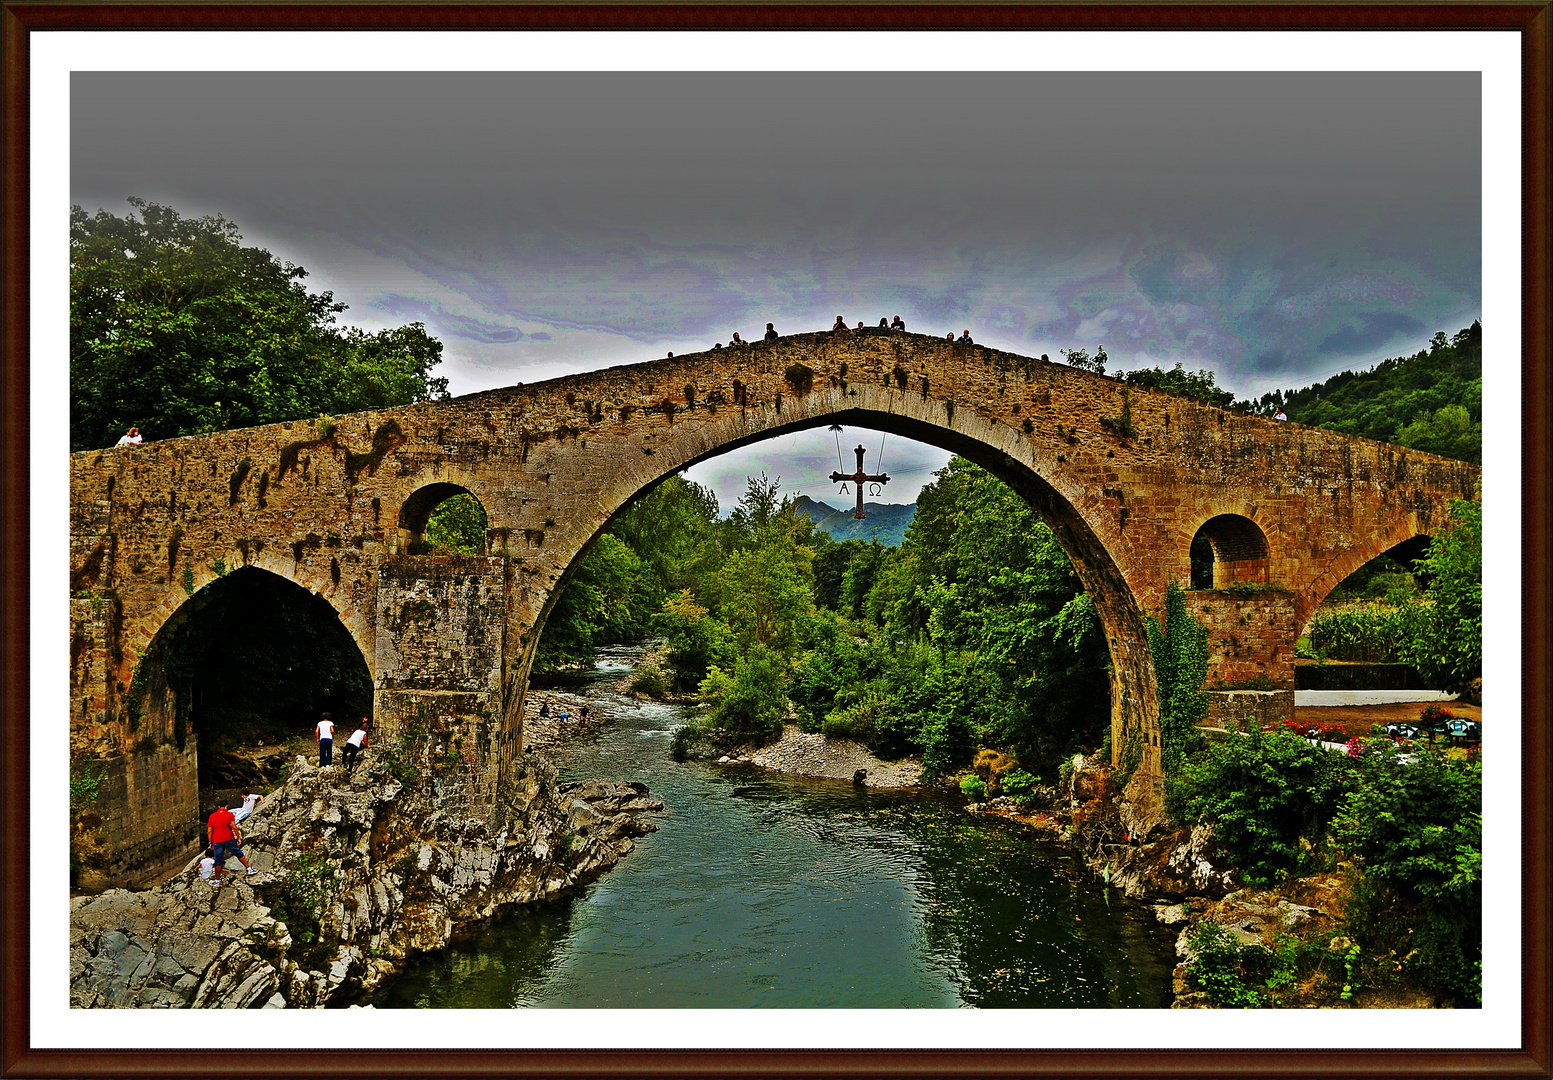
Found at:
<point>1262,793</point>
<point>1230,973</point>
<point>973,788</point>
<point>1448,650</point>
<point>649,681</point>
<point>1417,826</point>
<point>749,703</point>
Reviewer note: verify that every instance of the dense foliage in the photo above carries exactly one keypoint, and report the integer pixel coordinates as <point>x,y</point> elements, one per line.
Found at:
<point>1432,400</point>
<point>975,630</point>
<point>1197,385</point>
<point>1417,824</point>
<point>1440,632</point>
<point>177,328</point>
<point>1180,653</point>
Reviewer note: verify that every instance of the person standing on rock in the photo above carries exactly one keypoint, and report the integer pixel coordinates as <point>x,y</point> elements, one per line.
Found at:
<point>251,802</point>
<point>225,839</point>
<point>324,733</point>
<point>356,744</point>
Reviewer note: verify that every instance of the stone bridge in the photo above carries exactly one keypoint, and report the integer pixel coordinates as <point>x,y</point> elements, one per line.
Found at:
<point>1126,477</point>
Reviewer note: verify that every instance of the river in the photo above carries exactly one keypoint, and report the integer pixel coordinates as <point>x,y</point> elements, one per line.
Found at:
<point>763,890</point>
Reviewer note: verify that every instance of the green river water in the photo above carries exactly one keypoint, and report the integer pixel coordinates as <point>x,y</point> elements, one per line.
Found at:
<point>772,891</point>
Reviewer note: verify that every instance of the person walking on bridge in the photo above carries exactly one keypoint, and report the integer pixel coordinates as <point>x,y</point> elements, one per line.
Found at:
<point>324,733</point>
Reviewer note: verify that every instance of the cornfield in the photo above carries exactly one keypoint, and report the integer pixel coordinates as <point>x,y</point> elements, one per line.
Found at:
<point>1371,633</point>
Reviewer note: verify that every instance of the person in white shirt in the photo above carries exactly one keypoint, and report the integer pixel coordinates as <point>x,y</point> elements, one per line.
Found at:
<point>324,733</point>
<point>251,802</point>
<point>1278,415</point>
<point>356,744</point>
<point>207,866</point>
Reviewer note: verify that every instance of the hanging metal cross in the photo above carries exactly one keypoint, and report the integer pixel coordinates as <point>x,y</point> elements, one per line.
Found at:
<point>859,478</point>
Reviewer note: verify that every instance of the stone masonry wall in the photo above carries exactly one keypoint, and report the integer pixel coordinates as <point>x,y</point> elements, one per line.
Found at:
<point>1126,477</point>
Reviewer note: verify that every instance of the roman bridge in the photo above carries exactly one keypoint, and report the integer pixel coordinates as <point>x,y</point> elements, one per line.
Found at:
<point>1126,477</point>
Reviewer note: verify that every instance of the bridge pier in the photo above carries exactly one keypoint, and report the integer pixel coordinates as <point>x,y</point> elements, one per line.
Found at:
<point>1251,636</point>
<point>441,644</point>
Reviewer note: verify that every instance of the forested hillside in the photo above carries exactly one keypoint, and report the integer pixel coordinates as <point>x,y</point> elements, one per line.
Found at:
<point>1432,400</point>
<point>886,522</point>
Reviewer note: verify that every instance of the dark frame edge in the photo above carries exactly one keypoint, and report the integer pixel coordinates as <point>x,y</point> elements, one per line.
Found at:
<point>15,462</point>
<point>1536,540</point>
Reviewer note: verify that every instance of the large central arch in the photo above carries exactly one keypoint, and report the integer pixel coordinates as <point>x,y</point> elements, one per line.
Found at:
<point>1134,694</point>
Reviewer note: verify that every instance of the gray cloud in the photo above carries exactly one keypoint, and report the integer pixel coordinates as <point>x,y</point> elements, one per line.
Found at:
<point>1369,331</point>
<point>1256,223</point>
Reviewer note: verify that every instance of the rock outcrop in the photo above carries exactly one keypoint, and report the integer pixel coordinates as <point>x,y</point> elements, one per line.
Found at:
<point>354,877</point>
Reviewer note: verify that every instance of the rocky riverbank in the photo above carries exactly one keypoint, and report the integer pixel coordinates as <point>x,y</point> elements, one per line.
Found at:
<point>1188,880</point>
<point>807,754</point>
<point>354,877</point>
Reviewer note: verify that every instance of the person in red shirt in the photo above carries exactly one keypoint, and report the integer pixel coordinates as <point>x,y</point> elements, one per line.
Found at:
<point>225,839</point>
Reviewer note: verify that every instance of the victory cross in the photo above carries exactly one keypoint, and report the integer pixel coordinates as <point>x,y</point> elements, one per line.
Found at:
<point>859,478</point>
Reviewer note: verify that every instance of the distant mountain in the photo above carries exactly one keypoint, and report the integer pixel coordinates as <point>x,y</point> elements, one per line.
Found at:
<point>886,522</point>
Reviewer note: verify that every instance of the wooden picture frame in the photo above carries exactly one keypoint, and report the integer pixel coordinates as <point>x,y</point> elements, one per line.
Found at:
<point>21,19</point>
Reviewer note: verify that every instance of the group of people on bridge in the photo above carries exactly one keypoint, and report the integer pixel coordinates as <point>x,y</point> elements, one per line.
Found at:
<point>841,327</point>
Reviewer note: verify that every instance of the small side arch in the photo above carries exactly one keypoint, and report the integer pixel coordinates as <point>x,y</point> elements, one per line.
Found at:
<point>417,509</point>
<point>1227,549</point>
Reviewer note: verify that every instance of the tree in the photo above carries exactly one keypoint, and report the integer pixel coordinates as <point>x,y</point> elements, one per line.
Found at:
<point>1198,385</point>
<point>177,328</point>
<point>1449,650</point>
<point>1081,359</point>
<point>457,525</point>
<point>1450,432</point>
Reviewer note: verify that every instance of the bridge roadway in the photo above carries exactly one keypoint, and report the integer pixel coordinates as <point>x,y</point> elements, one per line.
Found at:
<point>1126,477</point>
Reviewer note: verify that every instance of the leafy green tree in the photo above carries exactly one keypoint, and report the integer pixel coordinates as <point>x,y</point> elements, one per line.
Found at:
<point>457,526</point>
<point>1450,432</point>
<point>1198,385</point>
<point>1449,651</point>
<point>177,328</point>
<point>605,601</point>
<point>697,639</point>
<point>674,529</point>
<point>1417,825</point>
<point>748,703</point>
<point>1081,359</point>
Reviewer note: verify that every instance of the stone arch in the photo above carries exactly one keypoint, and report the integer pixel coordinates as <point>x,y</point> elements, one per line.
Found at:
<point>416,511</point>
<point>1037,474</point>
<point>1240,551</point>
<point>165,710</point>
<point>1402,533</point>
<point>278,561</point>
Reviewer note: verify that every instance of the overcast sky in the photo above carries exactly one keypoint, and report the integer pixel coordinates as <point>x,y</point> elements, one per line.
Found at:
<point>1274,227</point>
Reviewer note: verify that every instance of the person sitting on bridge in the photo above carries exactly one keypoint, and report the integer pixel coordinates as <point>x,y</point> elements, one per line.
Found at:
<point>129,438</point>
<point>896,324</point>
<point>1278,415</point>
<point>860,324</point>
<point>965,338</point>
<point>737,340</point>
<point>841,324</point>
<point>771,334</point>
<point>949,337</point>
<point>884,324</point>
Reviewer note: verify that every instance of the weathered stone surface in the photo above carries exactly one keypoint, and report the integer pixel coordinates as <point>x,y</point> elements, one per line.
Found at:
<point>1125,476</point>
<point>408,875</point>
